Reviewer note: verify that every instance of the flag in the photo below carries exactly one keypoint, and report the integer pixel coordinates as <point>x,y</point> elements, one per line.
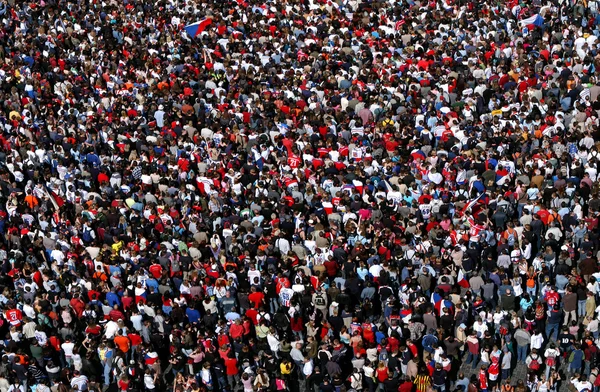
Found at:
<point>471,203</point>
<point>196,28</point>
<point>204,184</point>
<point>358,185</point>
<point>53,200</point>
<point>516,10</point>
<point>462,282</point>
<point>535,20</point>
<point>150,358</point>
<point>418,154</point>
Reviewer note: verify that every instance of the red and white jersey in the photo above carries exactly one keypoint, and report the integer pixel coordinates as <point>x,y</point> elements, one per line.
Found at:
<point>14,316</point>
<point>294,161</point>
<point>285,296</point>
<point>475,230</point>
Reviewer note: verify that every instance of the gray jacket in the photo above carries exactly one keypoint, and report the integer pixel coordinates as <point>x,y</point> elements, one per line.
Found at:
<point>522,337</point>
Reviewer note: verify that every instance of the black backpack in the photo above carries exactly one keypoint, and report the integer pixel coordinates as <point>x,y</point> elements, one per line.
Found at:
<point>320,300</point>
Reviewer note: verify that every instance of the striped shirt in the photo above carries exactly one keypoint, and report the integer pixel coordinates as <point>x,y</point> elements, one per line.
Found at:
<point>422,382</point>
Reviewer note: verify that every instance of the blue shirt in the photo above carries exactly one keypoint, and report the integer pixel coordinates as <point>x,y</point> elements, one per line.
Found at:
<point>193,315</point>
<point>113,299</point>
<point>232,316</point>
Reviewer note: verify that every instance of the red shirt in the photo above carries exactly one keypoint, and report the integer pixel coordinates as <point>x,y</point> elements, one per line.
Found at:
<point>102,178</point>
<point>236,331</point>
<point>116,315</point>
<point>94,330</point>
<point>406,386</point>
<point>256,299</point>
<point>135,339</point>
<point>54,342</point>
<point>331,267</point>
<point>156,270</point>
<point>14,316</point>
<point>231,366</point>
<point>252,313</point>
<point>78,306</point>
<point>127,301</point>
<point>123,385</point>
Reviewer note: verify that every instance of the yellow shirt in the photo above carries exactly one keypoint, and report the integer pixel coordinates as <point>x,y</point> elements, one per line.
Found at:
<point>285,369</point>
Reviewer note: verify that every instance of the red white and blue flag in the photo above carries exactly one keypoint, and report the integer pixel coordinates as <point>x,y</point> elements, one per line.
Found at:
<point>198,27</point>
<point>462,281</point>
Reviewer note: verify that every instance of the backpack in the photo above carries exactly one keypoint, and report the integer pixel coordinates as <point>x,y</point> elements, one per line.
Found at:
<point>445,196</point>
<point>86,236</point>
<point>534,364</point>
<point>319,300</point>
<point>510,238</point>
<point>503,330</point>
<point>531,282</point>
<point>507,209</point>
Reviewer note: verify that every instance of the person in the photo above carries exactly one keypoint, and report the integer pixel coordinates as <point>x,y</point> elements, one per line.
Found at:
<point>212,188</point>
<point>439,378</point>
<point>422,382</point>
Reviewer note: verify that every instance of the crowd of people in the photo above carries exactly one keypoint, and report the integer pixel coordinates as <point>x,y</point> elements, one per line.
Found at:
<point>299,195</point>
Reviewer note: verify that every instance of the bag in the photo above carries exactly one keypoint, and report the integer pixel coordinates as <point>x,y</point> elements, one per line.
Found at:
<point>86,236</point>
<point>531,282</point>
<point>510,239</point>
<point>503,330</point>
<point>319,300</point>
<point>534,364</point>
<point>572,356</point>
<point>550,361</point>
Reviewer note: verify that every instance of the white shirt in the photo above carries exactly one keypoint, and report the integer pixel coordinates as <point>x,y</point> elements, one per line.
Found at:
<point>79,382</point>
<point>581,385</point>
<point>536,341</point>
<point>375,270</point>
<point>136,320</point>
<point>149,381</point>
<point>68,348</point>
<point>110,329</point>
<point>274,344</point>
<point>308,367</point>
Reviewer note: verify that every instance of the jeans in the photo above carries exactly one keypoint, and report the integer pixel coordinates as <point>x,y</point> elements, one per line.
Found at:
<point>107,374</point>
<point>439,388</point>
<point>474,357</point>
<point>552,331</point>
<point>505,374</point>
<point>233,380</point>
<point>573,369</point>
<point>531,291</point>
<point>581,308</point>
<point>522,353</point>
<point>273,305</point>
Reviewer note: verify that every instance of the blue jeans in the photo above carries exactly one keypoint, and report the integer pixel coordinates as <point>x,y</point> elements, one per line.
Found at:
<point>439,388</point>
<point>552,331</point>
<point>474,357</point>
<point>581,308</point>
<point>107,369</point>
<point>505,374</point>
<point>531,291</point>
<point>522,353</point>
